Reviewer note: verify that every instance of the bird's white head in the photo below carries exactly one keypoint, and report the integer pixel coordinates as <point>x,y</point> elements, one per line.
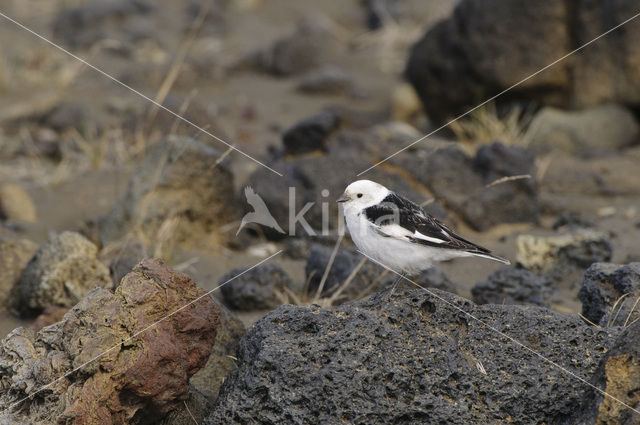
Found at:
<point>363,194</point>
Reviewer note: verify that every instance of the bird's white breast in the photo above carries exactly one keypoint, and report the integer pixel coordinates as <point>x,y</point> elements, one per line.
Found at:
<point>398,254</point>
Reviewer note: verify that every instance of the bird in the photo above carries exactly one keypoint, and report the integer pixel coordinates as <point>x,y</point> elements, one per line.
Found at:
<point>260,213</point>
<point>399,234</point>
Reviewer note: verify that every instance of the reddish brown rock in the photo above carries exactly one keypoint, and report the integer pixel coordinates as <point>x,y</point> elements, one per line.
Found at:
<point>152,345</point>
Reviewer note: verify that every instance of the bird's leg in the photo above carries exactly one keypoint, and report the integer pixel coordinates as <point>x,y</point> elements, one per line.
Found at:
<point>395,284</point>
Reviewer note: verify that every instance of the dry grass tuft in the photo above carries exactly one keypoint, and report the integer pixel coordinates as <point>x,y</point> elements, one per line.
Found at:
<point>485,125</point>
<point>619,305</point>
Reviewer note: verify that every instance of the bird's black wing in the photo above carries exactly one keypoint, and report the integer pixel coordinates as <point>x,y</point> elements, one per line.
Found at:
<point>415,225</point>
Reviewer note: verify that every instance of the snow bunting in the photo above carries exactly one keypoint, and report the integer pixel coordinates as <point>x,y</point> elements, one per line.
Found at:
<point>398,233</point>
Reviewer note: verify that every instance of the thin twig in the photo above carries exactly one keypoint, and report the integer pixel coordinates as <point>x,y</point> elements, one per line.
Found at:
<point>347,281</point>
<point>631,312</point>
<point>327,269</point>
<point>176,66</point>
<point>613,320</point>
<point>588,321</point>
<point>427,202</point>
<point>631,324</point>
<point>509,179</point>
<point>189,412</point>
<point>220,159</point>
<point>542,166</point>
<point>182,111</point>
<point>373,284</point>
<point>296,300</point>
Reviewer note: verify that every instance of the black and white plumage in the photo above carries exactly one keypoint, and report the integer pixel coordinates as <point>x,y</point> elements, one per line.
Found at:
<point>398,233</point>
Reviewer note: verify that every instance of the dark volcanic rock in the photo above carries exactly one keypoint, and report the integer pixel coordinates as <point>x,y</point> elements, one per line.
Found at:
<point>514,286</point>
<point>120,379</point>
<point>411,358</point>
<point>61,273</point>
<point>297,248</point>
<point>177,186</point>
<point>346,260</point>
<point>380,12</point>
<point>461,181</point>
<point>481,50</point>
<point>310,134</point>
<point>257,289</point>
<point>603,285</point>
<point>343,263</point>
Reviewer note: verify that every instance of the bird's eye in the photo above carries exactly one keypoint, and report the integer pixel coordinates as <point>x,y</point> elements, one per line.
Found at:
<point>359,195</point>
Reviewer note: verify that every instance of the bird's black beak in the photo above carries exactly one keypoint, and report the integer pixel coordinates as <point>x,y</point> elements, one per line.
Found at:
<point>343,198</point>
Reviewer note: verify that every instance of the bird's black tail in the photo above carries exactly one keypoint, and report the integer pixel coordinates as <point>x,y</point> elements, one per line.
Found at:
<point>491,257</point>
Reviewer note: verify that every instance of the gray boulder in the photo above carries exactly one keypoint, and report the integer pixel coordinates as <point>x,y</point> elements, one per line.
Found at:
<point>411,358</point>
<point>510,285</point>
<point>602,128</point>
<point>257,289</point>
<point>178,194</point>
<point>603,286</point>
<point>61,273</point>
<point>480,51</point>
<point>14,256</point>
